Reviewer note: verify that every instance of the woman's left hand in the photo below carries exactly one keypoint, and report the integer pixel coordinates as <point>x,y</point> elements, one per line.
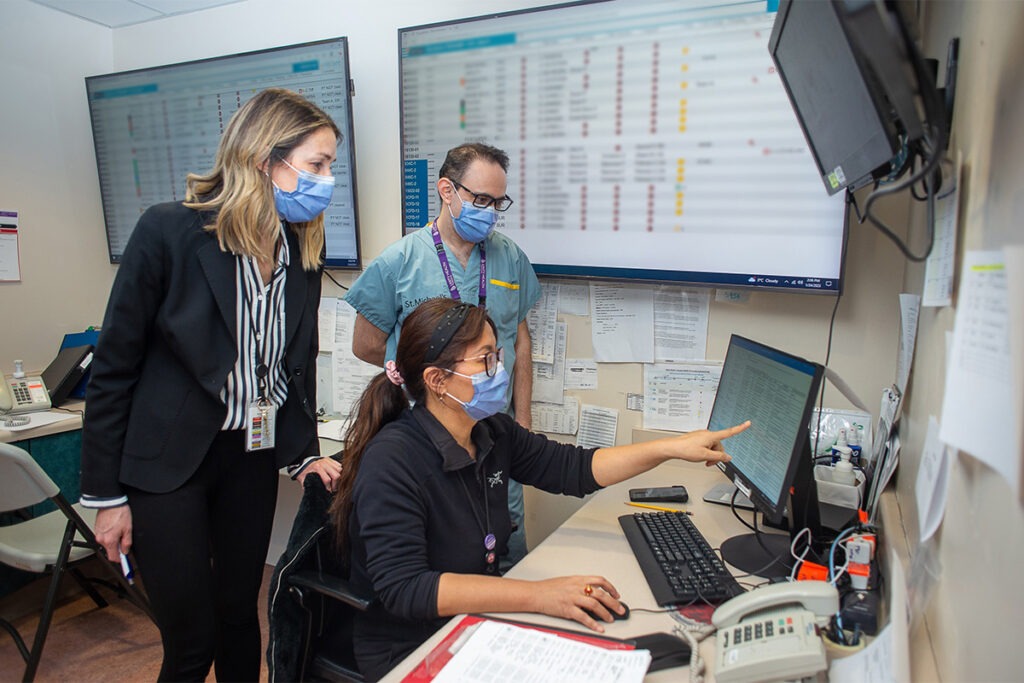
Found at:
<point>328,470</point>
<point>705,445</point>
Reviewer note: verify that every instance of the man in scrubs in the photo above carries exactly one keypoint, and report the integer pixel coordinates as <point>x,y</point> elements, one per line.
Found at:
<point>458,255</point>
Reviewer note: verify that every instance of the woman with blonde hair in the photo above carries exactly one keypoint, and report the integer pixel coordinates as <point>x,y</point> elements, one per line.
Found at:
<point>422,505</point>
<point>203,382</point>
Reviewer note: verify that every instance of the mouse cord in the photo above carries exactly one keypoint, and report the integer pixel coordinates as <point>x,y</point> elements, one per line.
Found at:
<point>693,632</point>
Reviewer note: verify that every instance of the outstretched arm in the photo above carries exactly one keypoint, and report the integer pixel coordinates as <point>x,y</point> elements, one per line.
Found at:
<point>612,465</point>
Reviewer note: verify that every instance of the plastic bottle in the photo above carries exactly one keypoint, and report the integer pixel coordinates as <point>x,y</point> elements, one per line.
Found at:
<point>19,369</point>
<point>842,471</point>
<point>854,442</point>
<point>840,443</point>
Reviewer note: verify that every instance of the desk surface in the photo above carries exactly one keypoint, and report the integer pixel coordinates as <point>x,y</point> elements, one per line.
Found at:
<point>73,410</point>
<point>592,542</point>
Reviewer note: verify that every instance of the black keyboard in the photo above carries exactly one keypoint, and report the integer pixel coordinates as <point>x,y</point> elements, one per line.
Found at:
<point>678,563</point>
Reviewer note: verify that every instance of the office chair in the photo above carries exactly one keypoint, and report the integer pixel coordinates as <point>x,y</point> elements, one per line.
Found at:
<point>310,602</point>
<point>55,542</point>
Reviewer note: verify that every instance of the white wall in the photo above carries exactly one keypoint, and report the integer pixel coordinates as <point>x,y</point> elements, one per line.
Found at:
<point>48,175</point>
<point>975,608</point>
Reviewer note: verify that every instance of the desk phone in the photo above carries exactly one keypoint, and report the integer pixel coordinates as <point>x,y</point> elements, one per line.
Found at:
<point>771,633</point>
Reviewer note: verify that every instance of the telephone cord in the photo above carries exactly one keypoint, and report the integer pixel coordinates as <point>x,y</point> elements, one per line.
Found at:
<point>694,632</point>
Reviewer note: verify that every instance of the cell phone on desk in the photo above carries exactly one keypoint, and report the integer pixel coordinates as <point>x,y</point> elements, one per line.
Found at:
<point>660,494</point>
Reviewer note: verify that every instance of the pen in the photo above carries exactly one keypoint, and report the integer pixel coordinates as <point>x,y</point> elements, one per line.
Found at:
<point>658,507</point>
<point>126,569</point>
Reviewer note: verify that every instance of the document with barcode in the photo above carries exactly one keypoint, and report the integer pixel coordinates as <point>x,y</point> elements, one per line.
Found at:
<point>504,652</point>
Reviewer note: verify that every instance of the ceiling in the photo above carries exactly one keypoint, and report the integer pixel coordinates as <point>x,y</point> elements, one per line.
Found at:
<point>118,13</point>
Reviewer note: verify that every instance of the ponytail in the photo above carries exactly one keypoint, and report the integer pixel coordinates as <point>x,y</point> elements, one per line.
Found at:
<point>381,403</point>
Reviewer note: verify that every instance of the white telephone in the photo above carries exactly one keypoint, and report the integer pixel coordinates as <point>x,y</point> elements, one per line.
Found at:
<point>23,395</point>
<point>770,633</point>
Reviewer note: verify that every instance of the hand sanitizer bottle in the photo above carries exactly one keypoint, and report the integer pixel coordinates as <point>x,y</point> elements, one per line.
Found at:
<point>842,471</point>
<point>855,446</point>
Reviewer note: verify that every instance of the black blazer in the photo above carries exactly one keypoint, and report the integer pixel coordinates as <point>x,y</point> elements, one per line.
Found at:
<point>167,345</point>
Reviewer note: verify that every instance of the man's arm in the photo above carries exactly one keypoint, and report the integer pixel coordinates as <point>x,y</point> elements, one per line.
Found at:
<point>369,342</point>
<point>522,376</point>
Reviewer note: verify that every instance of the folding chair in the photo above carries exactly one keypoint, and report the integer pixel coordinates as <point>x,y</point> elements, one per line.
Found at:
<point>55,542</point>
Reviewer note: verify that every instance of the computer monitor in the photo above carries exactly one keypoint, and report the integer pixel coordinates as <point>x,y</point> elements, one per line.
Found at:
<point>858,86</point>
<point>649,140</point>
<point>771,461</point>
<point>151,127</point>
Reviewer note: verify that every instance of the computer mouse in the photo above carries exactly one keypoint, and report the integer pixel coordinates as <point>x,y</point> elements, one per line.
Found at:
<point>615,615</point>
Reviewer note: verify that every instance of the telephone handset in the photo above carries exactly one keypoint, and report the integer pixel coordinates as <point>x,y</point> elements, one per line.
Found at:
<point>23,395</point>
<point>770,633</point>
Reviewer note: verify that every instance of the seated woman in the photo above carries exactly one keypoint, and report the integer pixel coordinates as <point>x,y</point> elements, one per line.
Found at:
<point>421,504</point>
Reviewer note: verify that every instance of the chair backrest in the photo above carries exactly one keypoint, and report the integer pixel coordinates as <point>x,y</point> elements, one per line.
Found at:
<point>22,481</point>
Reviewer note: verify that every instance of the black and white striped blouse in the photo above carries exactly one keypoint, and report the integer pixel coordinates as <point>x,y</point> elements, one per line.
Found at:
<point>260,335</point>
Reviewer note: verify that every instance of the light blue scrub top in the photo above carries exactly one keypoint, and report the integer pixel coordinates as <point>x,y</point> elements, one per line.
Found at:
<point>408,273</point>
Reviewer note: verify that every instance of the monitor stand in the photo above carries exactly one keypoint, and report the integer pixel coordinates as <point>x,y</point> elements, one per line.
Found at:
<point>768,555</point>
<point>748,555</point>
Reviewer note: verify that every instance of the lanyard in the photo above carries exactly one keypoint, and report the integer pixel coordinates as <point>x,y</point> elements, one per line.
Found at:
<point>490,542</point>
<point>446,268</point>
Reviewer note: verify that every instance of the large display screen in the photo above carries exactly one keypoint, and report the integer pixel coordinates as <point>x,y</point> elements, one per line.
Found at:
<point>648,139</point>
<point>151,127</point>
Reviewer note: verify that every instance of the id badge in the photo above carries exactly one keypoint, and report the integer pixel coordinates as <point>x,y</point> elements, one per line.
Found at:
<point>261,426</point>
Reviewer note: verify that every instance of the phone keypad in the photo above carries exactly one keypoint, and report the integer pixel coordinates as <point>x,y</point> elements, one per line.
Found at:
<point>761,629</point>
<point>21,393</point>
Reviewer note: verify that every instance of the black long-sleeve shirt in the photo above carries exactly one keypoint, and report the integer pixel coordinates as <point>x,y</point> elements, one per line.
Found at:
<point>422,507</point>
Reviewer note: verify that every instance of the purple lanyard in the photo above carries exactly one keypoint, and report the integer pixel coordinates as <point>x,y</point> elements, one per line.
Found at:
<point>446,268</point>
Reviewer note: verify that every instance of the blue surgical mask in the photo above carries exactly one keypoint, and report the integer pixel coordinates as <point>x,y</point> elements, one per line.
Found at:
<point>488,393</point>
<point>473,223</point>
<point>308,200</point>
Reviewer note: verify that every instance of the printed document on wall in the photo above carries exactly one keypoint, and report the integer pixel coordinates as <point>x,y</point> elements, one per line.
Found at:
<point>541,322</point>
<point>978,413</point>
<point>552,418</point>
<point>327,321</point>
<point>574,299</point>
<point>932,482</point>
<point>623,323</point>
<point>910,308</point>
<point>351,375</point>
<point>10,264</point>
<point>678,396</point>
<point>941,264</point>
<point>680,323</point>
<point>549,378</point>
<point>597,427</point>
<point>580,373</point>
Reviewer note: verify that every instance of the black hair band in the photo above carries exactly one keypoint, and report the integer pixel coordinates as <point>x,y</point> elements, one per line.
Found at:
<point>450,323</point>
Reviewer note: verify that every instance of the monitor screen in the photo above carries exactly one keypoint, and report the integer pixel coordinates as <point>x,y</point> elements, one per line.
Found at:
<point>648,139</point>
<point>841,109</point>
<point>776,392</point>
<point>151,127</point>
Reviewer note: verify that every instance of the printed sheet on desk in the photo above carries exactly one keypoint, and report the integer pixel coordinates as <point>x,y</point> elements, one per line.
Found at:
<point>481,650</point>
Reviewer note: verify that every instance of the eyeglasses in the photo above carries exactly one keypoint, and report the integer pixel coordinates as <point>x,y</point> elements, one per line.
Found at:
<point>491,360</point>
<point>482,201</point>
